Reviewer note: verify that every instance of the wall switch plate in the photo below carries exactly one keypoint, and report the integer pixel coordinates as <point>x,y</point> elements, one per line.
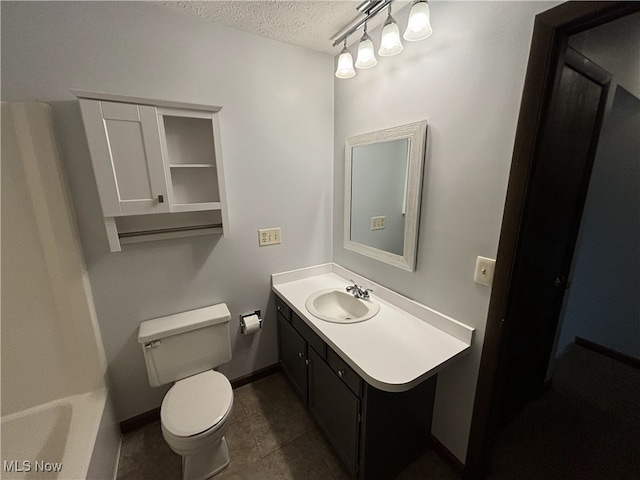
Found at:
<point>484,271</point>
<point>268,236</point>
<point>377,223</point>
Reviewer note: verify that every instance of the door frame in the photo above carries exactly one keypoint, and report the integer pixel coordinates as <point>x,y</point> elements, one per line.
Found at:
<point>550,37</point>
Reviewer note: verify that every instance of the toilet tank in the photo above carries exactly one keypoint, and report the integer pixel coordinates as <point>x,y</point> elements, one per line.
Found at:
<point>178,346</point>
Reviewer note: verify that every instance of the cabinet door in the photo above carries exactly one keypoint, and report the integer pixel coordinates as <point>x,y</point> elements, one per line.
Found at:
<point>293,356</point>
<point>124,142</point>
<point>335,408</point>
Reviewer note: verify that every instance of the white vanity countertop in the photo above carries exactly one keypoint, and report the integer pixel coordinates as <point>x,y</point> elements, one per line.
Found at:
<point>404,344</point>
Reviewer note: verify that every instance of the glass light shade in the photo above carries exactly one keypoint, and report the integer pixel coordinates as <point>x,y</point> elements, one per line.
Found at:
<point>345,65</point>
<point>366,55</point>
<point>390,43</point>
<point>418,26</point>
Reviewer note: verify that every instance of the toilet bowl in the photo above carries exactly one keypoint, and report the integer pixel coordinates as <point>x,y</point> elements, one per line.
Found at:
<point>194,416</point>
<point>184,349</point>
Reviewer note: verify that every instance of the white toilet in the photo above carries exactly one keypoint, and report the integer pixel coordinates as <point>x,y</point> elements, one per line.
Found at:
<point>185,348</point>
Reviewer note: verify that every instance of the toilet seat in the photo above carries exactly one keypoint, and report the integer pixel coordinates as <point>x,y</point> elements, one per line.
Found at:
<point>196,404</point>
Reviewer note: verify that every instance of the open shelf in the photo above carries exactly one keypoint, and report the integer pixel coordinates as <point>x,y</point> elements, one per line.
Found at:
<point>145,228</point>
<point>192,165</point>
<point>189,140</point>
<point>194,185</point>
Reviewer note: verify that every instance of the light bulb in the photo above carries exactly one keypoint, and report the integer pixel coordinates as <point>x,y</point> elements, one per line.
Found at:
<point>418,26</point>
<point>345,64</point>
<point>390,43</point>
<point>366,56</point>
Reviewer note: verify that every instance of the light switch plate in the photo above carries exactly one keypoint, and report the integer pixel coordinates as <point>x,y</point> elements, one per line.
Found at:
<point>268,236</point>
<point>484,271</point>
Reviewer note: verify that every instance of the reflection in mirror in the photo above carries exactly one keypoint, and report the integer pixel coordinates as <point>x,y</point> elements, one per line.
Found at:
<point>383,180</point>
<point>378,192</point>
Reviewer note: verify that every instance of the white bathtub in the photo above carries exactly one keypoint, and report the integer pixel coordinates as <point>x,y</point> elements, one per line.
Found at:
<point>55,440</point>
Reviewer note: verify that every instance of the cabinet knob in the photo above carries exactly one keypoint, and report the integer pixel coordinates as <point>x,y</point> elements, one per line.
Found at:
<point>307,362</point>
<point>160,198</point>
<point>340,373</point>
<point>278,308</point>
<point>300,354</point>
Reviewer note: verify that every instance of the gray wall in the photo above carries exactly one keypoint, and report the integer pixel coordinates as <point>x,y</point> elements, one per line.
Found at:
<point>603,303</point>
<point>466,80</point>
<point>277,133</point>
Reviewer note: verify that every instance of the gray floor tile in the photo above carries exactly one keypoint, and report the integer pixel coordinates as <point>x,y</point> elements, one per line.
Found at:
<point>145,455</point>
<point>300,459</point>
<point>428,466</point>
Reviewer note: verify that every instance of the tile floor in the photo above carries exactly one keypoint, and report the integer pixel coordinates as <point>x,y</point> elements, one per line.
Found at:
<point>271,437</point>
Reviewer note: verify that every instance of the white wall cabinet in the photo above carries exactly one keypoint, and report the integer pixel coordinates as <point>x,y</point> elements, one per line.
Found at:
<point>158,166</point>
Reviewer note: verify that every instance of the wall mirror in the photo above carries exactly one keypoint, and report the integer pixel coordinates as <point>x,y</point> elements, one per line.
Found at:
<point>383,185</point>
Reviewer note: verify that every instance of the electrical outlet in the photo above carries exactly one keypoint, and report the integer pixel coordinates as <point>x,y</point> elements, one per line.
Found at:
<point>268,236</point>
<point>484,271</point>
<point>377,223</point>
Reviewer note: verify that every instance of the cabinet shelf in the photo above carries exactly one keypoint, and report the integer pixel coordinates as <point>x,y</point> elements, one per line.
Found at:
<point>193,207</point>
<point>192,165</point>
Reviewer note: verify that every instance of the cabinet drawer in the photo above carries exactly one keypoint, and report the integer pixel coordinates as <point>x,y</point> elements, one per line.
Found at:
<point>309,335</point>
<point>344,371</point>
<point>283,309</point>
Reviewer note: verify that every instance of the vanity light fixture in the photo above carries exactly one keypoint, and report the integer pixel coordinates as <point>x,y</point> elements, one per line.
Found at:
<point>419,24</point>
<point>390,43</point>
<point>366,55</point>
<point>418,28</point>
<point>345,63</point>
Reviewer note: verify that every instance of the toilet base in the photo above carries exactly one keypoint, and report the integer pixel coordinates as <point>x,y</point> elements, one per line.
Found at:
<point>206,464</point>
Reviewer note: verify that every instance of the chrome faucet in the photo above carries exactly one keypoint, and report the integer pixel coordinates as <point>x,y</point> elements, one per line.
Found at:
<point>358,291</point>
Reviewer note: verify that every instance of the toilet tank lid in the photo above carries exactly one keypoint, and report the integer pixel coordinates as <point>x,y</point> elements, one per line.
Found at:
<point>157,328</point>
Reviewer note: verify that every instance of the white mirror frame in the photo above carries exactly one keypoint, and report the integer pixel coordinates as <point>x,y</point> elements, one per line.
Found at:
<point>417,135</point>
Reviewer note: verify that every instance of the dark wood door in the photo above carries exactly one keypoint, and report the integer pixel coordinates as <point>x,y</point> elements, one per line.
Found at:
<point>292,350</point>
<point>555,199</point>
<point>335,408</point>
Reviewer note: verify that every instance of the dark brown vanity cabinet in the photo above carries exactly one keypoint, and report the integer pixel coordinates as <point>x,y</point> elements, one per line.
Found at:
<point>335,408</point>
<point>375,433</point>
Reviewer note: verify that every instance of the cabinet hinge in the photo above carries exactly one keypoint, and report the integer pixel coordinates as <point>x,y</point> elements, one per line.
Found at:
<point>359,418</point>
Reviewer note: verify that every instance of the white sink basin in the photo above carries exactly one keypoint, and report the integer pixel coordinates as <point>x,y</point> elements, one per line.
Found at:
<point>338,306</point>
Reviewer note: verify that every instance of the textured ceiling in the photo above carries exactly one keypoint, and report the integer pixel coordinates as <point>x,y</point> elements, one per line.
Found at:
<point>306,23</point>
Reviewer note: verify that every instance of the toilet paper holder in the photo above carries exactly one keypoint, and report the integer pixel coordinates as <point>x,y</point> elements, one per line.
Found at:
<point>243,325</point>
